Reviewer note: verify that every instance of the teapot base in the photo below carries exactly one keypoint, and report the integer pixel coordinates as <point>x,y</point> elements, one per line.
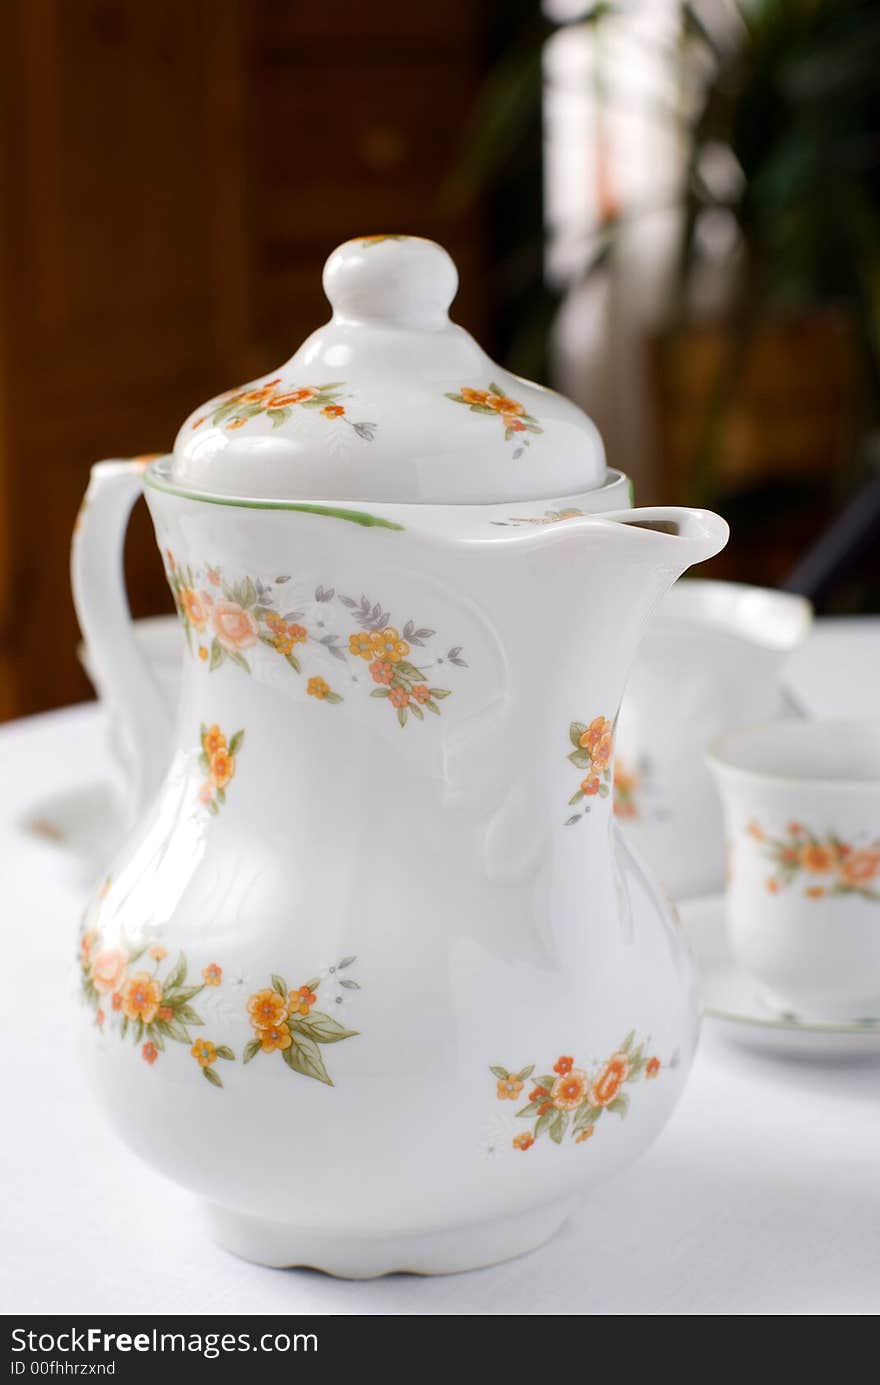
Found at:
<point>451,1251</point>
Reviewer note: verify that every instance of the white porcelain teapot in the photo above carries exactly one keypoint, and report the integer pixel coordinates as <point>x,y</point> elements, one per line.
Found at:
<point>374,975</point>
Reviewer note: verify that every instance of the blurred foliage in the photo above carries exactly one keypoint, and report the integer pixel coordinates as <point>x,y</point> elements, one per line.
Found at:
<point>782,97</point>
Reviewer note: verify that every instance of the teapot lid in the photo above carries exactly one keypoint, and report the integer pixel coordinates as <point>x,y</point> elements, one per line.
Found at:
<point>389,401</point>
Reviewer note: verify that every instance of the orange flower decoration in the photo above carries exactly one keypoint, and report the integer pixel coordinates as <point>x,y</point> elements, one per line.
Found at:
<point>332,411</point>
<point>222,768</point>
<point>772,885</point>
<point>569,1091</point>
<point>509,1088</point>
<point>382,671</point>
<point>503,404</point>
<point>149,1053</point>
<point>361,645</point>
<point>860,867</point>
<point>300,1002</point>
<point>164,1012</point>
<point>474,396</point>
<point>399,697</point>
<point>158,952</point>
<point>203,653</point>
<point>610,1080</point>
<point>284,401</point>
<point>652,1067</point>
<point>108,969</point>
<point>141,997</point>
<point>194,607</point>
<point>523,1141</point>
<point>267,1009</point>
<point>514,424</point>
<point>317,687</point>
<point>204,1052</point>
<point>537,1093</point>
<point>421,692</point>
<point>213,740</point>
<point>756,831</point>
<point>818,860</point>
<point>563,1065</point>
<point>590,785</point>
<point>387,644</point>
<point>212,974</point>
<point>99,1017</point>
<point>276,1036</point>
<point>815,891</point>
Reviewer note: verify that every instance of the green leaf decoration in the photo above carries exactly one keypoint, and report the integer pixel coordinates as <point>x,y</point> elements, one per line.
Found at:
<point>576,797</point>
<point>628,1042</point>
<point>217,653</point>
<point>584,1116</point>
<point>525,1072</point>
<point>313,984</point>
<point>439,692</point>
<point>182,996</point>
<point>322,1028</point>
<point>175,1030</point>
<point>333,697</point>
<point>603,790</point>
<point>251,1050</point>
<point>236,743</point>
<point>494,389</point>
<point>212,808</point>
<point>408,670</point>
<point>575,731</point>
<point>456,398</point>
<point>581,758</point>
<point>212,1077</point>
<point>532,1108</point>
<point>401,715</point>
<point>279,416</point>
<point>620,1105</point>
<point>221,796</point>
<point>501,1073</point>
<point>294,662</point>
<point>176,976</point>
<point>188,1015</point>
<point>138,1031</point>
<point>239,659</point>
<point>224,1051</point>
<point>279,984</point>
<point>431,706</point>
<point>483,409</point>
<point>544,1122</point>
<point>380,692</point>
<point>204,762</point>
<point>417,711</point>
<point>304,1057</point>
<point>559,1127</point>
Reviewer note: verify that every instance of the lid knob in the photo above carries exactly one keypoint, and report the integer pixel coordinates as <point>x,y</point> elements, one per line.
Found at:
<point>403,280</point>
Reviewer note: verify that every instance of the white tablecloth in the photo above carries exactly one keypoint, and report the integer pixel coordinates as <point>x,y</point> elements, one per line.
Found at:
<point>762,1196</point>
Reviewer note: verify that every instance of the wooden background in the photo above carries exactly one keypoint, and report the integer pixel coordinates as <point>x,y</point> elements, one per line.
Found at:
<point>172,176</point>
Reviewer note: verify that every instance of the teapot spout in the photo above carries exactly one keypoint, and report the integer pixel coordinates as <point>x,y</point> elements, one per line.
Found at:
<point>670,536</point>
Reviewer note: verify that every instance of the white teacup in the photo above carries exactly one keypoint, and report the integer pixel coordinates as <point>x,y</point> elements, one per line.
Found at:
<point>802,809</point>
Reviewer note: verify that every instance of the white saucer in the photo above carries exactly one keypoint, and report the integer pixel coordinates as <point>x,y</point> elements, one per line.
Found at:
<point>732,1003</point>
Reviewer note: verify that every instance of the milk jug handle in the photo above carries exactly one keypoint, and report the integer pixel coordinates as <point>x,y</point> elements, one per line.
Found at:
<point>120,671</point>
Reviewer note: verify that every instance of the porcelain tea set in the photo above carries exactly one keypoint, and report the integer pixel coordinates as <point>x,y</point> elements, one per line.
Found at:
<point>376,972</point>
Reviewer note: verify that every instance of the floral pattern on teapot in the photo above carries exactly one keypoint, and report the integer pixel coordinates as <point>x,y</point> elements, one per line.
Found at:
<point>277,401</point>
<point>224,620</point>
<point>152,1002</point>
<point>217,762</point>
<point>569,1100</point>
<point>284,1021</point>
<point>593,752</point>
<point>823,864</point>
<point>495,403</point>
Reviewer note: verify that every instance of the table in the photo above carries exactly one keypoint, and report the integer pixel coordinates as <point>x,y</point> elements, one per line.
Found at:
<point>761,1196</point>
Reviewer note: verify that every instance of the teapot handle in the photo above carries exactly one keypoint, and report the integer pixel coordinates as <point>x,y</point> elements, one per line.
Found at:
<point>120,672</point>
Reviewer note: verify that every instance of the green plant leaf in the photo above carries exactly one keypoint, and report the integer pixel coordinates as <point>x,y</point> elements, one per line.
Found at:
<point>279,984</point>
<point>532,1108</point>
<point>483,409</point>
<point>409,671</point>
<point>501,1073</point>
<point>224,1051</point>
<point>217,654</point>
<point>321,1028</point>
<point>439,693</point>
<point>620,1105</point>
<point>559,1127</point>
<point>401,715</point>
<point>236,743</point>
<point>251,1049</point>
<point>628,1042</point>
<point>544,1122</point>
<point>575,731</point>
<point>457,398</point>
<point>239,659</point>
<point>176,976</point>
<point>576,797</point>
<point>304,1057</point>
<point>417,711</point>
<point>603,791</point>
<point>333,697</point>
<point>212,1077</point>
<point>380,692</point>
<point>581,758</point>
